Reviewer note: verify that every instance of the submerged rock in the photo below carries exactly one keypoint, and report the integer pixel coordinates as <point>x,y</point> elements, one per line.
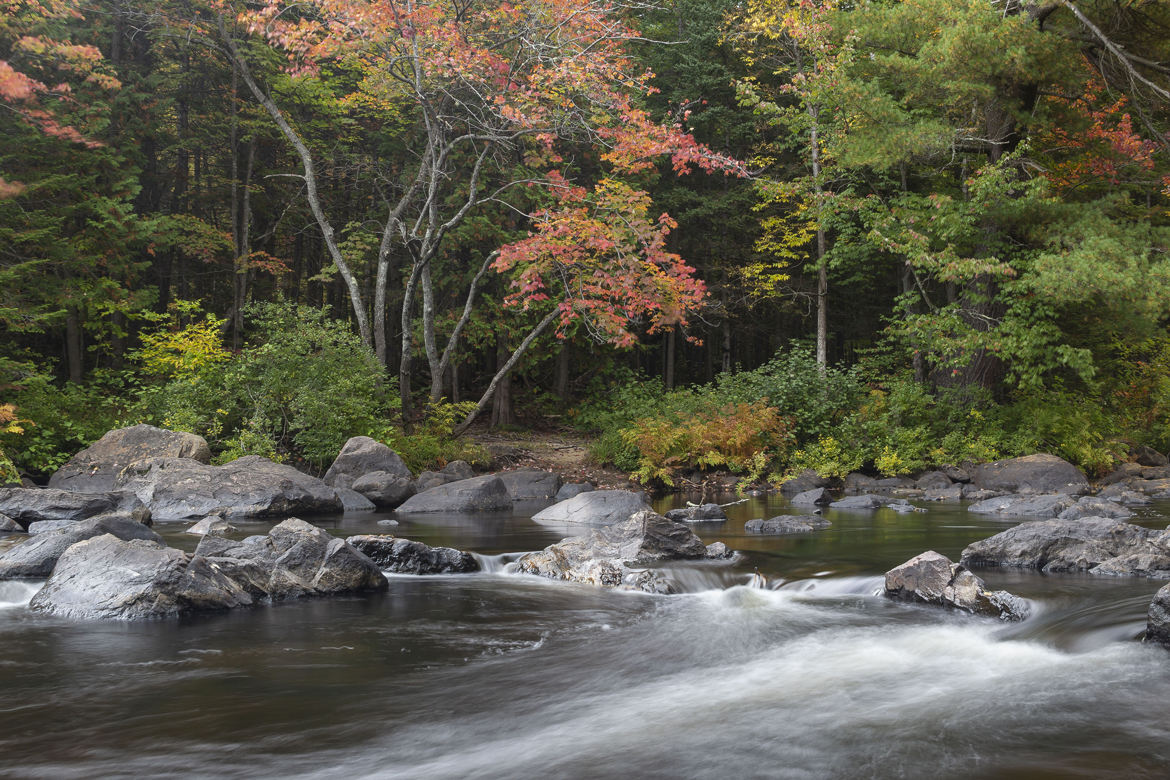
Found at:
<point>932,578</point>
<point>96,468</point>
<point>704,513</point>
<point>786,524</point>
<point>362,455</point>
<point>36,557</point>
<point>1085,544</point>
<point>1024,506</point>
<point>1095,506</point>
<point>1032,474</point>
<point>596,507</point>
<point>609,557</point>
<point>478,494</point>
<point>184,489</point>
<point>405,556</point>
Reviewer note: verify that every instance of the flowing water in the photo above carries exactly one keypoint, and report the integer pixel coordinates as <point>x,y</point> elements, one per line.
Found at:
<point>499,675</point>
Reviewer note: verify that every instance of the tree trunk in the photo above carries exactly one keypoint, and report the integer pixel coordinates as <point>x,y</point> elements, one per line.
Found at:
<point>502,412</point>
<point>668,377</point>
<point>561,387</point>
<point>822,271</point>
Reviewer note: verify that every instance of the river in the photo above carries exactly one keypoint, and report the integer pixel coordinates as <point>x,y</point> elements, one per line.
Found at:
<point>498,675</point>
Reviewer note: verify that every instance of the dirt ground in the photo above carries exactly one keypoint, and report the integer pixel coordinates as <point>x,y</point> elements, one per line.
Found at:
<point>565,452</point>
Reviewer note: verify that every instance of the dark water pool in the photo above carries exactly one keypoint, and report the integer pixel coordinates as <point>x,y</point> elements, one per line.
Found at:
<point>497,675</point>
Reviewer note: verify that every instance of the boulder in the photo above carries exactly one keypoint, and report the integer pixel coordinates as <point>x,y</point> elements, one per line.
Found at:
<point>95,469</point>
<point>362,455</point>
<point>44,526</point>
<point>107,577</point>
<point>212,525</point>
<point>457,470</point>
<point>805,480</point>
<point>35,557</point>
<point>856,482</point>
<point>1122,494</point>
<point>478,494</point>
<point>596,507</point>
<point>863,502</point>
<point>956,473</point>
<point>383,489</point>
<point>932,578</point>
<point>184,489</point>
<point>33,505</point>
<point>1060,545</point>
<point>295,559</point>
<point>1024,506</point>
<point>1154,488</point>
<point>704,513</point>
<point>8,525</point>
<point>933,480</point>
<point>572,489</point>
<point>1148,456</point>
<point>1094,506</point>
<point>972,493</point>
<point>405,556</point>
<point>786,524</point>
<point>953,493</point>
<point>1032,474</point>
<point>1158,618</point>
<point>719,551</point>
<point>902,506</point>
<point>454,471</point>
<point>608,557</point>
<point>353,501</point>
<point>814,497</point>
<point>1122,473</point>
<point>531,484</point>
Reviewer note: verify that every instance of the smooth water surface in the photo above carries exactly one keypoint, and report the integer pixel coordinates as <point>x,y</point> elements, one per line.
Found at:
<point>499,675</point>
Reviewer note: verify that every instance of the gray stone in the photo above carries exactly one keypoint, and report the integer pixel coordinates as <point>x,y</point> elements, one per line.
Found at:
<point>933,480</point>
<point>362,455</point>
<point>804,481</point>
<point>1148,456</point>
<point>33,505</point>
<point>457,470</point>
<point>953,493</point>
<point>786,524</point>
<point>531,484</point>
<point>383,489</point>
<point>1122,494</point>
<point>1032,474</point>
<point>865,502</point>
<point>1122,473</point>
<point>932,578</point>
<point>572,489</point>
<point>35,557</point>
<point>353,501</point>
<point>95,469</point>
<point>1024,506</point>
<point>972,493</point>
<point>856,482</point>
<point>608,556</point>
<point>903,507</point>
<point>719,551</point>
<point>478,494</point>
<point>432,479</point>
<point>1061,545</point>
<point>405,556</point>
<point>1158,618</point>
<point>956,473</point>
<point>184,489</point>
<point>388,523</point>
<point>596,507</point>
<point>7,524</point>
<point>44,526</point>
<point>704,513</point>
<point>213,524</point>
<point>1095,506</point>
<point>1154,488</point>
<point>814,497</point>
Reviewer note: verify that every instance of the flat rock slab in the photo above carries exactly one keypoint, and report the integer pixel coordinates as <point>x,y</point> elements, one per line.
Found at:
<point>478,494</point>
<point>786,524</point>
<point>932,578</point>
<point>96,468</point>
<point>597,507</point>
<point>1096,544</point>
<point>33,505</point>
<point>184,489</point>
<point>36,557</point>
<point>362,455</point>
<point>704,513</point>
<point>1024,506</point>
<point>531,484</point>
<point>1032,474</point>
<point>405,556</point>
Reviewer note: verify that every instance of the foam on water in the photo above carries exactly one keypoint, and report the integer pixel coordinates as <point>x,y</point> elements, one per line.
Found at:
<point>17,593</point>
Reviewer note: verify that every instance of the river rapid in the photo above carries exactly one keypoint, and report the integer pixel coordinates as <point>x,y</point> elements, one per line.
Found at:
<point>499,675</point>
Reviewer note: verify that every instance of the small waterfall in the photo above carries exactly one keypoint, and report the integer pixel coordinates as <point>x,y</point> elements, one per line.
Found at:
<point>831,587</point>
<point>498,564</point>
<point>17,593</point>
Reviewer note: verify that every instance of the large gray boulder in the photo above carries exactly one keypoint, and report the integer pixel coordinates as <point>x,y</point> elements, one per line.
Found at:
<point>815,497</point>
<point>353,501</point>
<point>1062,545</point>
<point>406,556</point>
<point>802,482</point>
<point>1158,618</point>
<point>1095,506</point>
<point>573,489</point>
<point>703,513</point>
<point>362,455</point>
<point>1015,507</point>
<point>384,489</point>
<point>596,507</point>
<point>786,524</point>
<point>95,469</point>
<point>531,484</point>
<point>859,503</point>
<point>478,494</point>
<point>35,557</point>
<point>612,556</point>
<point>932,578</point>
<point>250,487</point>
<point>33,505</point>
<point>106,577</point>
<point>933,480</point>
<point>1031,474</point>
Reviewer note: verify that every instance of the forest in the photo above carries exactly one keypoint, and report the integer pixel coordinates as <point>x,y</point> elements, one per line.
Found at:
<point>757,236</point>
